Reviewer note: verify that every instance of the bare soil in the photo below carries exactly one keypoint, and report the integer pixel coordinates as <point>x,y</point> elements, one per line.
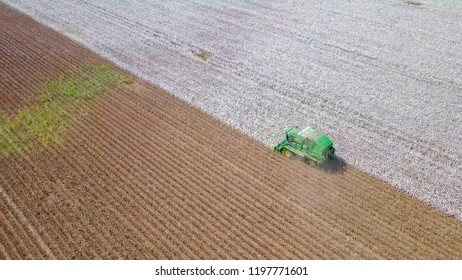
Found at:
<point>143,175</point>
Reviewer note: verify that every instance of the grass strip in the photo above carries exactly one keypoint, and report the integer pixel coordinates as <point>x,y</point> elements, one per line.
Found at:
<point>48,121</point>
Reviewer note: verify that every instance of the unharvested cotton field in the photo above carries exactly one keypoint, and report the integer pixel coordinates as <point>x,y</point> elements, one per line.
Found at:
<point>98,164</point>
<point>383,79</point>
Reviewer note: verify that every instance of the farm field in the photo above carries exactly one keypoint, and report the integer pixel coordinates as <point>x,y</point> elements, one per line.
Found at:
<point>382,78</point>
<point>97,163</point>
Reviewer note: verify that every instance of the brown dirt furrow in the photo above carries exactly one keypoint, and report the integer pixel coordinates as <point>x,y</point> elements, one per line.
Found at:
<point>84,164</point>
<point>90,207</point>
<point>41,61</point>
<point>130,171</point>
<point>9,101</point>
<point>27,239</point>
<point>4,255</point>
<point>38,46</point>
<point>23,51</point>
<point>69,167</point>
<point>186,160</point>
<point>112,196</point>
<point>143,175</point>
<point>227,162</point>
<point>98,211</point>
<point>43,216</point>
<point>114,172</point>
<point>39,56</point>
<point>13,238</point>
<point>122,129</point>
<point>172,135</point>
<point>19,60</point>
<point>69,172</point>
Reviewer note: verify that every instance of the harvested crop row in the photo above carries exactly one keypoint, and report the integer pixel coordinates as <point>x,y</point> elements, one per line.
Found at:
<point>204,161</point>
<point>59,65</point>
<point>180,166</point>
<point>377,85</point>
<point>144,175</point>
<point>138,121</point>
<point>377,216</point>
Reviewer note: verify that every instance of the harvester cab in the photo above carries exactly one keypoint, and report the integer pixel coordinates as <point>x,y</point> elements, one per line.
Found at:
<point>308,143</point>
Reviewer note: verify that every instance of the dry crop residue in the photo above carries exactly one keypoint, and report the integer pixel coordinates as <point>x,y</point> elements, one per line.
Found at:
<point>145,175</point>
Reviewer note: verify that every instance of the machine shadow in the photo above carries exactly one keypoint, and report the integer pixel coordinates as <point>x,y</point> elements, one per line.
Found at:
<point>335,165</point>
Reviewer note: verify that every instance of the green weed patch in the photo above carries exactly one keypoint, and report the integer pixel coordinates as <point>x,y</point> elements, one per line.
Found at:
<point>13,139</point>
<point>48,122</point>
<point>84,84</point>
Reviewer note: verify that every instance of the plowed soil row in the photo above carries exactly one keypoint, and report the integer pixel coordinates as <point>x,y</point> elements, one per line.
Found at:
<point>144,175</point>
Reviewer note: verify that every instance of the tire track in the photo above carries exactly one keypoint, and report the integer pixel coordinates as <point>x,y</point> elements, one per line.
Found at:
<point>24,221</point>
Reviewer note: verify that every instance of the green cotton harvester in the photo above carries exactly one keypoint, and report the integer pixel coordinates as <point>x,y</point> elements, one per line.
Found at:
<point>308,143</point>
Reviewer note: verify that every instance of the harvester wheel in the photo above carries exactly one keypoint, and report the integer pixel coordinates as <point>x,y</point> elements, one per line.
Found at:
<point>287,153</point>
<point>310,162</point>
